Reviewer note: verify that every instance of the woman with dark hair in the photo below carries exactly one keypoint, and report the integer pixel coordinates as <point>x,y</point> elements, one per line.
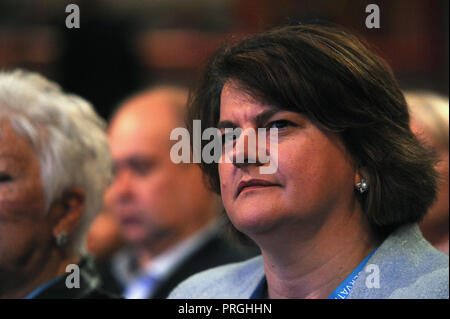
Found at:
<point>339,216</point>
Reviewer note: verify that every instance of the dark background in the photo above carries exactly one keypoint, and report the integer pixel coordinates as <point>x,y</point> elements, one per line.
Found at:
<point>125,45</point>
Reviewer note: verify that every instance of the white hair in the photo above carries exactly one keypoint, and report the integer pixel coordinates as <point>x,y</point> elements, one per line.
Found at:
<point>68,137</point>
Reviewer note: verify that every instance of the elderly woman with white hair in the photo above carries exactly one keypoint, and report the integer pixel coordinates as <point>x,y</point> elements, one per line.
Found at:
<point>54,166</point>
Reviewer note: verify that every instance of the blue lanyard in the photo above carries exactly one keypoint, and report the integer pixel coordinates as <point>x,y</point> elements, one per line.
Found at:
<point>343,290</point>
<point>43,287</point>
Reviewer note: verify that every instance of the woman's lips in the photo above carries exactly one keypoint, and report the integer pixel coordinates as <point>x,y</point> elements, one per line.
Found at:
<point>253,184</point>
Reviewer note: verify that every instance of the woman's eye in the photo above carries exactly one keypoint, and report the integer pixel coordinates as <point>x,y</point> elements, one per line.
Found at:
<point>5,178</point>
<point>279,124</point>
<point>226,138</point>
<point>229,137</point>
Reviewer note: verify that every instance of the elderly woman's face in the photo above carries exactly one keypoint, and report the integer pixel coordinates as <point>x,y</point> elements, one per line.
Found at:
<point>23,224</point>
<point>315,176</point>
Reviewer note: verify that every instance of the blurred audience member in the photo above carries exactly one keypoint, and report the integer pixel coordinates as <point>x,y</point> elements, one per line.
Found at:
<point>54,167</point>
<point>429,120</point>
<point>167,216</point>
<point>104,237</point>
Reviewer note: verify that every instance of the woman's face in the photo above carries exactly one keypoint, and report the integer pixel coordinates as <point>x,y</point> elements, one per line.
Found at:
<point>24,225</point>
<point>315,176</point>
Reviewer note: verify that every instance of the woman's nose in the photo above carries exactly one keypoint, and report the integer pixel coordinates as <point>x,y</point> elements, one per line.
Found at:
<point>245,150</point>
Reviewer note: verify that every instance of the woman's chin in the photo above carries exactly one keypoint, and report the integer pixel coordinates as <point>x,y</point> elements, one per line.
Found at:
<point>253,221</point>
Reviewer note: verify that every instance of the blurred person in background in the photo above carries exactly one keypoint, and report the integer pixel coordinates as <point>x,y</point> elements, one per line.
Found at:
<point>429,121</point>
<point>104,238</point>
<point>166,214</point>
<point>54,166</point>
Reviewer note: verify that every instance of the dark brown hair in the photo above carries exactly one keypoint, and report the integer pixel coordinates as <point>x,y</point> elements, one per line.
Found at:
<point>328,75</point>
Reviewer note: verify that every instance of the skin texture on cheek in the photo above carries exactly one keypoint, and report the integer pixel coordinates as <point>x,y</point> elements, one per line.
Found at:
<point>23,225</point>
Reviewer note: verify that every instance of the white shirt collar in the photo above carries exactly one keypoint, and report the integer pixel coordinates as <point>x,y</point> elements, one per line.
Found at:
<point>164,264</point>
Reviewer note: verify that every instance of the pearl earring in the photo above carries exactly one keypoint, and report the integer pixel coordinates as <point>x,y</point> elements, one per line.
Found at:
<point>362,186</point>
<point>61,239</point>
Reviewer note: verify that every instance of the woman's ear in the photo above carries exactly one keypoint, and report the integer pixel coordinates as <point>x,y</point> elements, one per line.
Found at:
<point>70,207</point>
<point>361,173</point>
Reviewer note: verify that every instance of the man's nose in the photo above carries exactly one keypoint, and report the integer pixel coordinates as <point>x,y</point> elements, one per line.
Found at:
<point>121,187</point>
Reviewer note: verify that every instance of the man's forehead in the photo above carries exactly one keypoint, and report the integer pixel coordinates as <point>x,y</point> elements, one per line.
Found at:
<point>139,140</point>
<point>164,101</point>
<point>142,123</point>
<point>146,118</point>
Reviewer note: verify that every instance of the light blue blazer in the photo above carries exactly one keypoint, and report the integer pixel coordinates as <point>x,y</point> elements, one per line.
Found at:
<point>409,267</point>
